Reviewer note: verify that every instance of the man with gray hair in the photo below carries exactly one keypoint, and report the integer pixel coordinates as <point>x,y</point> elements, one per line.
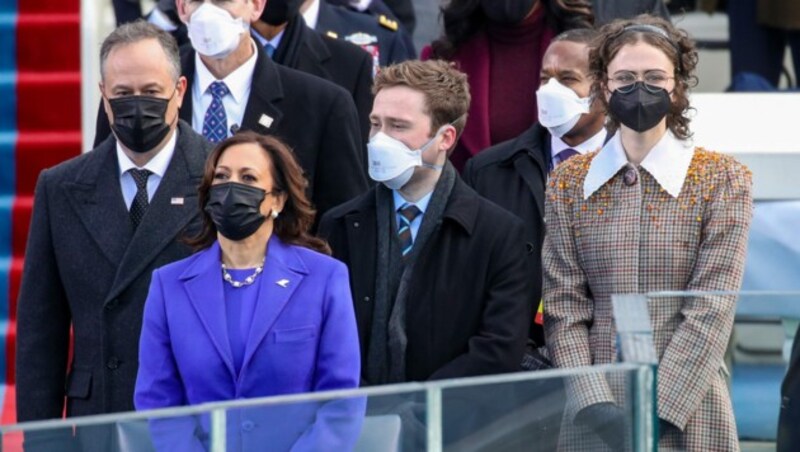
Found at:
<point>102,222</point>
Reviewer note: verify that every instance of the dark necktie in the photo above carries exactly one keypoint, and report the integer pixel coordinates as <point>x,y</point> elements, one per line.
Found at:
<point>563,156</point>
<point>140,201</point>
<point>215,122</point>
<point>408,212</point>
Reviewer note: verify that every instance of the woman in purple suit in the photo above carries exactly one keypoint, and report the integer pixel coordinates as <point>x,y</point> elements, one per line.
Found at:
<point>260,310</point>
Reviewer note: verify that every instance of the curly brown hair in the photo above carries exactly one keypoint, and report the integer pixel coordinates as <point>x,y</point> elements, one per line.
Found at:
<point>297,216</point>
<point>677,46</point>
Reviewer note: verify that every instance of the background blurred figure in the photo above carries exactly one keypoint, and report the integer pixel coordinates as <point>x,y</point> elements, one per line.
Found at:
<point>260,310</point>
<point>648,212</point>
<point>788,432</point>
<point>383,39</point>
<point>126,11</point>
<point>759,31</point>
<point>282,29</point>
<point>499,44</point>
<point>101,223</point>
<point>607,10</point>
<point>400,10</point>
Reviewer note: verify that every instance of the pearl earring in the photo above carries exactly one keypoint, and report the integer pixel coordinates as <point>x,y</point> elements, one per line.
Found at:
<point>274,214</point>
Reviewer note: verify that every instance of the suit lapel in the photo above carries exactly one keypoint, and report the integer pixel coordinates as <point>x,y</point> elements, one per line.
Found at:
<point>97,199</point>
<point>262,113</point>
<point>283,274</point>
<point>203,284</point>
<point>164,219</point>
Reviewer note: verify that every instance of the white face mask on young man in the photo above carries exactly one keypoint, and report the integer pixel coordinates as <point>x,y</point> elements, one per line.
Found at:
<point>214,32</point>
<point>392,163</point>
<point>560,108</point>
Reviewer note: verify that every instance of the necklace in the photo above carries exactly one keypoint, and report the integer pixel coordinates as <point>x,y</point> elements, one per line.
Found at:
<point>247,281</point>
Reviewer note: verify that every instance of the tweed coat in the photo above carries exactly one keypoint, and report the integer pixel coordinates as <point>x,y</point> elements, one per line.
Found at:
<point>676,234</point>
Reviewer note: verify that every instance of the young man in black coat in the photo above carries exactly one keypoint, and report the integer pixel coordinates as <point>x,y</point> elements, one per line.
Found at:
<point>316,118</point>
<point>102,222</point>
<point>513,173</point>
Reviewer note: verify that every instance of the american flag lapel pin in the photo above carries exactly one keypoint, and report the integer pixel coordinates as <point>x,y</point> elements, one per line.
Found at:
<point>176,201</point>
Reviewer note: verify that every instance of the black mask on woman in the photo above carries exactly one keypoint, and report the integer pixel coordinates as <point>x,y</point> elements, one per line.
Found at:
<point>140,121</point>
<point>507,12</point>
<point>640,109</point>
<point>278,12</point>
<point>235,209</point>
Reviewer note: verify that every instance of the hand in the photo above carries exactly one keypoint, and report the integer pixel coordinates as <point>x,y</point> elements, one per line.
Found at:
<point>607,421</point>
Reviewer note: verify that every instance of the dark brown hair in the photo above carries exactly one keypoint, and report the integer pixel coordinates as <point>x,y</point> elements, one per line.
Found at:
<point>445,89</point>
<point>297,216</point>
<point>676,46</point>
<point>463,19</point>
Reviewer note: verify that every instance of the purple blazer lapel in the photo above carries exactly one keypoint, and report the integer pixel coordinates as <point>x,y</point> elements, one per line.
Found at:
<point>203,283</point>
<point>283,273</point>
<point>473,59</point>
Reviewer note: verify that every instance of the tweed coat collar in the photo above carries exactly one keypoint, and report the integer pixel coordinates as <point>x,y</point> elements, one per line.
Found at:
<point>668,162</point>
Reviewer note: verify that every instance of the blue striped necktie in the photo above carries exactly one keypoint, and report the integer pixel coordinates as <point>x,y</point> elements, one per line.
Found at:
<point>408,212</point>
<point>215,122</point>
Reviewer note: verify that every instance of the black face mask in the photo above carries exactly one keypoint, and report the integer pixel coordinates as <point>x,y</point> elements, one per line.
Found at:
<point>641,108</point>
<point>507,12</point>
<point>139,121</point>
<point>235,209</point>
<point>278,12</point>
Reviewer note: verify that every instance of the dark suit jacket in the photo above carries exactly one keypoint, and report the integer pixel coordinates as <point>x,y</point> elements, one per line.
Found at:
<point>87,267</point>
<point>468,300</point>
<point>394,45</point>
<point>314,117</point>
<point>513,174</point>
<point>337,61</point>
<point>788,431</point>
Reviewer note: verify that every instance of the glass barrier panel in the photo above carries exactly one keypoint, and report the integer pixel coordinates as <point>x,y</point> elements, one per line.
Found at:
<point>738,345</point>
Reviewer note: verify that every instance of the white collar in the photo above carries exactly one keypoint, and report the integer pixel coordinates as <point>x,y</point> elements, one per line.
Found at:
<point>592,144</point>
<point>311,15</point>
<point>157,165</point>
<point>668,162</point>
<point>238,81</point>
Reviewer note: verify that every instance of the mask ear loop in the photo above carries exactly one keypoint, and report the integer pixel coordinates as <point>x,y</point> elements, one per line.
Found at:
<point>436,135</point>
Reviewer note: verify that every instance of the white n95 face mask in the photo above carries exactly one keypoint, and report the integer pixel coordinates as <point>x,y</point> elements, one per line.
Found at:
<point>214,32</point>
<point>560,108</point>
<point>392,163</point>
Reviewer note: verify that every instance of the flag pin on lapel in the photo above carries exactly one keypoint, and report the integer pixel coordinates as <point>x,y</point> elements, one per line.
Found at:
<point>282,282</point>
<point>265,121</point>
<point>176,201</point>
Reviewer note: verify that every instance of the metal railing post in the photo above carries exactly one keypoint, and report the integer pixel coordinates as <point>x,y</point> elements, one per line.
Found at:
<point>434,419</point>
<point>218,433</point>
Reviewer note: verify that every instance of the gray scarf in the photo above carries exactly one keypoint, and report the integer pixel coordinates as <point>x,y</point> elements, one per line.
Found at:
<point>386,359</point>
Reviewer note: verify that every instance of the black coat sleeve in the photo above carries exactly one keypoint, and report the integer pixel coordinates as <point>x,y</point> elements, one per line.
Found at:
<point>339,174</point>
<point>362,96</point>
<point>43,321</point>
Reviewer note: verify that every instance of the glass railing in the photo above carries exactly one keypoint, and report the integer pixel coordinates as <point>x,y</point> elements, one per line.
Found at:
<point>527,411</point>
<point>753,361</point>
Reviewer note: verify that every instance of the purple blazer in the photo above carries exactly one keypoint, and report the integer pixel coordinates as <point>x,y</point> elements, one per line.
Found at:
<point>303,338</point>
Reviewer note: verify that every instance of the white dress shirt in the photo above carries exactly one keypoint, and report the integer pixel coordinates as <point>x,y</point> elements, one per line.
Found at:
<point>157,165</point>
<point>422,205</point>
<point>239,83</point>
<point>311,14</point>
<point>668,162</point>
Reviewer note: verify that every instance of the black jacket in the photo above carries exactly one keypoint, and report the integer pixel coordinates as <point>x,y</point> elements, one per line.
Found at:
<point>468,306</point>
<point>86,267</point>
<point>513,174</point>
<point>337,61</point>
<point>788,431</point>
<point>314,117</point>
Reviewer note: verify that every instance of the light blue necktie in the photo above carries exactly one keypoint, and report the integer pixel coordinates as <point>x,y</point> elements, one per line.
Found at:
<point>270,49</point>
<point>215,122</point>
